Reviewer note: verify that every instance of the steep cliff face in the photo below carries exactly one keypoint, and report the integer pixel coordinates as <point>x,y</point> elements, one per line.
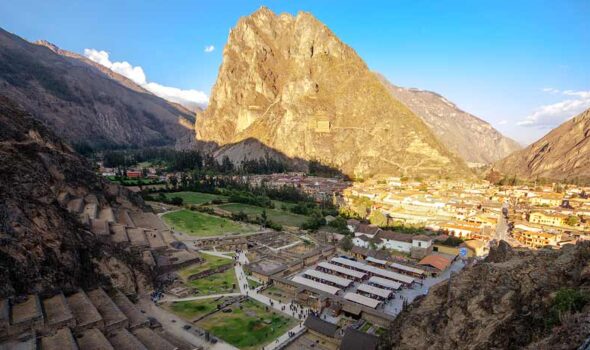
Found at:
<point>42,246</point>
<point>471,138</point>
<point>84,102</point>
<point>290,83</point>
<point>564,153</point>
<point>505,302</point>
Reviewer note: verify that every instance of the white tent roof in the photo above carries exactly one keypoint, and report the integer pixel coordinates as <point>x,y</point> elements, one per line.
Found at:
<point>407,268</point>
<point>384,282</point>
<point>313,284</point>
<point>361,299</point>
<point>374,270</point>
<point>342,282</point>
<point>383,293</point>
<point>342,270</point>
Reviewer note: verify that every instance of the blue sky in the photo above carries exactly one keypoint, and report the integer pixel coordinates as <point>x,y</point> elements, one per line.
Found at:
<point>521,65</point>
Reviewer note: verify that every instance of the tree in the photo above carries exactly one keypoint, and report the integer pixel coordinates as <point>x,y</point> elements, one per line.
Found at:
<point>378,218</point>
<point>176,201</point>
<point>346,243</point>
<point>572,220</point>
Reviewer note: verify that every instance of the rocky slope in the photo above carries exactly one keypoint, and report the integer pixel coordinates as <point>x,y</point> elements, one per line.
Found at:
<point>85,102</point>
<point>42,246</point>
<point>564,153</point>
<point>504,302</point>
<point>290,83</point>
<point>471,138</point>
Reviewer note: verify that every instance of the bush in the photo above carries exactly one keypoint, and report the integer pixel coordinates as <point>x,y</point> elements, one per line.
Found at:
<point>566,301</point>
<point>176,201</point>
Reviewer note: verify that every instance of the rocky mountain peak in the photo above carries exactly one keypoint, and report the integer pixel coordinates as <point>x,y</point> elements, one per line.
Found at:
<point>290,83</point>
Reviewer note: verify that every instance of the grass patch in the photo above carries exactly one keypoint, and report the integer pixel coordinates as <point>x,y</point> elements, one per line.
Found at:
<point>218,283</point>
<point>252,284</point>
<point>196,198</point>
<point>211,262</point>
<point>190,310</point>
<point>279,216</point>
<point>249,327</point>
<point>202,225</point>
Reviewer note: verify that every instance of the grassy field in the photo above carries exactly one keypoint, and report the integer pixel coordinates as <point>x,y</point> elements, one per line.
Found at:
<point>211,262</point>
<point>196,198</point>
<point>203,225</point>
<point>218,283</point>
<point>248,327</point>
<point>190,310</point>
<point>279,216</point>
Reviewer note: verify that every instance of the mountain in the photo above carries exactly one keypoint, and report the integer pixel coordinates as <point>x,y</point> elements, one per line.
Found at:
<point>291,84</point>
<point>564,153</point>
<point>515,299</point>
<point>84,102</point>
<point>464,134</point>
<point>44,247</point>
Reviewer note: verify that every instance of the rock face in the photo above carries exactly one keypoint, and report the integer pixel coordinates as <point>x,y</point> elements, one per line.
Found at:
<point>564,153</point>
<point>84,102</point>
<point>501,303</point>
<point>471,138</point>
<point>291,84</point>
<point>42,246</point>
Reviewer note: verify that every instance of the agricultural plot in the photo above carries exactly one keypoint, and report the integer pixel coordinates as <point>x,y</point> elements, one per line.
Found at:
<point>248,325</point>
<point>203,225</point>
<point>285,218</point>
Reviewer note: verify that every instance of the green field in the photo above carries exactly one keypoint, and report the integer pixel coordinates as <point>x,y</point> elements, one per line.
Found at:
<point>190,310</point>
<point>211,262</point>
<point>219,283</point>
<point>203,225</point>
<point>196,198</point>
<point>285,218</point>
<point>248,327</point>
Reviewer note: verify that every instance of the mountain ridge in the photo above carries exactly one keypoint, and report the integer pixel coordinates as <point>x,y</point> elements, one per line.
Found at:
<point>563,153</point>
<point>454,127</point>
<point>84,102</point>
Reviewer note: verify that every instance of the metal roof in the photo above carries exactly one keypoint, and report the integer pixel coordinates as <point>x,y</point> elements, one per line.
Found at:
<point>317,285</point>
<point>384,282</point>
<point>343,282</point>
<point>374,270</point>
<point>342,270</point>
<point>380,292</point>
<point>361,299</point>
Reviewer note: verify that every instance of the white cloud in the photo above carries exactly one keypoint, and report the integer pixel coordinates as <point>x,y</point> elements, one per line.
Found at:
<point>209,48</point>
<point>550,90</point>
<point>188,98</point>
<point>503,122</point>
<point>552,115</point>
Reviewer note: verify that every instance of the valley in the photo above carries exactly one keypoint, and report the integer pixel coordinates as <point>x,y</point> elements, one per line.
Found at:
<point>312,202</point>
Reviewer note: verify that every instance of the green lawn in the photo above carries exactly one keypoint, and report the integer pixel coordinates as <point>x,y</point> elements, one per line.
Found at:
<point>202,225</point>
<point>211,262</point>
<point>218,283</point>
<point>277,215</point>
<point>190,310</point>
<point>252,283</point>
<point>197,198</point>
<point>250,327</point>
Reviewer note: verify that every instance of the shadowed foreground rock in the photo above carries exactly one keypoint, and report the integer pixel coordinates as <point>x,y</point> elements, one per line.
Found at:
<point>43,247</point>
<point>504,302</point>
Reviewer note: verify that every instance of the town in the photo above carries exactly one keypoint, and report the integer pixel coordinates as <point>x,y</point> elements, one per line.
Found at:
<point>314,263</point>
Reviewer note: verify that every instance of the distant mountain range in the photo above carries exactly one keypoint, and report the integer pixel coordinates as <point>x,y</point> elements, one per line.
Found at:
<point>289,83</point>
<point>85,102</point>
<point>464,134</point>
<point>562,154</point>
